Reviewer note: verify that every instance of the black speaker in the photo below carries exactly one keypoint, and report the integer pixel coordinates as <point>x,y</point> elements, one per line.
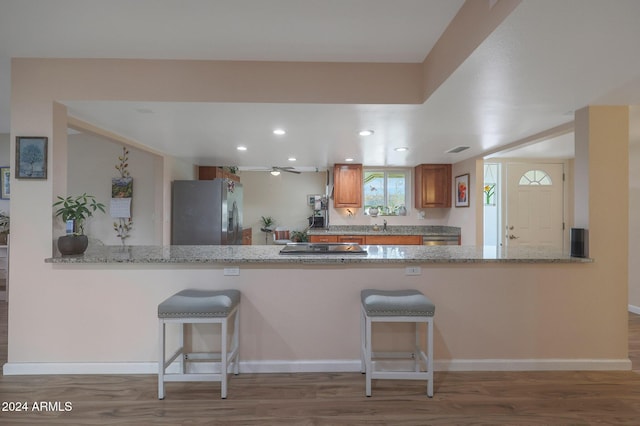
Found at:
<point>579,242</point>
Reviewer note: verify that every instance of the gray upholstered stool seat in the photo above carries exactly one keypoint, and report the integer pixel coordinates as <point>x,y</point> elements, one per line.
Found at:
<point>397,306</point>
<point>199,303</point>
<point>199,306</point>
<point>396,302</point>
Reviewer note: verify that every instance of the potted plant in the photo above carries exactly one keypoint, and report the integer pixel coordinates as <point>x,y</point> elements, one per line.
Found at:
<point>77,210</point>
<point>267,223</point>
<point>4,228</point>
<point>299,236</point>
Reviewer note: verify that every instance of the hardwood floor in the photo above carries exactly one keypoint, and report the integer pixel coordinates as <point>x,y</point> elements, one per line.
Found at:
<point>461,398</point>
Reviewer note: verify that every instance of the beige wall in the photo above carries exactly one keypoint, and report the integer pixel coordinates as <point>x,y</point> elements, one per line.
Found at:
<point>107,313</point>
<point>634,208</point>
<point>5,159</point>
<point>91,165</point>
<point>282,197</point>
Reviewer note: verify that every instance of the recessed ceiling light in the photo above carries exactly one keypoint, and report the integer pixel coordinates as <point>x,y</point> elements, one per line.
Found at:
<point>292,158</point>
<point>401,149</point>
<point>348,160</point>
<point>275,172</point>
<point>241,148</point>
<point>366,132</point>
<point>279,132</point>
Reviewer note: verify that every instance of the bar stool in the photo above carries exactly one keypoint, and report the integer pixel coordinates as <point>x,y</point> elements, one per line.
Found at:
<point>194,307</point>
<point>397,306</point>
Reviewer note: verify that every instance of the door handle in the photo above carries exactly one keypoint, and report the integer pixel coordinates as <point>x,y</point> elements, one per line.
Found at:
<point>513,237</point>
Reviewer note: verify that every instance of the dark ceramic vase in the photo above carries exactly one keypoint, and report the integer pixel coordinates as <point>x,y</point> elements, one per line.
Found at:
<point>72,244</point>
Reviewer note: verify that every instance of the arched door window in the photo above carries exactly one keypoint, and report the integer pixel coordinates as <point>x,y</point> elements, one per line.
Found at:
<point>535,177</point>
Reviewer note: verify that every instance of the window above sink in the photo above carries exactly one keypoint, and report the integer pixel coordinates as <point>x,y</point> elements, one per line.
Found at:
<point>385,192</point>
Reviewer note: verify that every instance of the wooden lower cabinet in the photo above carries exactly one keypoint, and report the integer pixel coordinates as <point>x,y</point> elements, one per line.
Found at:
<point>395,240</point>
<point>358,239</point>
<point>323,238</point>
<point>401,240</point>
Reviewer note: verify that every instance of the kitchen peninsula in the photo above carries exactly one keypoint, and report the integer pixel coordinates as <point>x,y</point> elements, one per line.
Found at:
<point>294,306</point>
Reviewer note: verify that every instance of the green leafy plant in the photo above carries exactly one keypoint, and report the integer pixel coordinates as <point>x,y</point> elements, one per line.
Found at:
<point>267,222</point>
<point>299,236</point>
<point>78,209</point>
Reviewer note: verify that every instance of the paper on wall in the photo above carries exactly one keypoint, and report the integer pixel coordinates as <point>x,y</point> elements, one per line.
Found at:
<point>120,207</point>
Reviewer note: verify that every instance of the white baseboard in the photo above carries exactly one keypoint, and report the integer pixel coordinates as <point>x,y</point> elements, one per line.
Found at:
<point>317,366</point>
<point>634,309</point>
<point>532,365</point>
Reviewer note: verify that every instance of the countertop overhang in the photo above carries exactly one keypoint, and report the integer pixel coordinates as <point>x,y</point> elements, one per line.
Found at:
<point>270,254</point>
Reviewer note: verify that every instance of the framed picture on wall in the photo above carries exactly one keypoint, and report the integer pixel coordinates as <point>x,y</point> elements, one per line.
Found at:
<point>31,157</point>
<point>5,174</point>
<point>462,190</point>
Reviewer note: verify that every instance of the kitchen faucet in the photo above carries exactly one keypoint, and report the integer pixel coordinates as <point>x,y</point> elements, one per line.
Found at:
<point>384,225</point>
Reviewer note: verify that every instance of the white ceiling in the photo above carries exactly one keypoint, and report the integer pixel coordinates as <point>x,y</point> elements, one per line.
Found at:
<point>547,59</point>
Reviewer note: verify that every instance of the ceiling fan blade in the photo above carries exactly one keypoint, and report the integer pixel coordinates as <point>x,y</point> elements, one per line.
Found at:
<point>286,169</point>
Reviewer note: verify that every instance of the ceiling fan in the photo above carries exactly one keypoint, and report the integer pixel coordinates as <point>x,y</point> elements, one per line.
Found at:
<point>274,170</point>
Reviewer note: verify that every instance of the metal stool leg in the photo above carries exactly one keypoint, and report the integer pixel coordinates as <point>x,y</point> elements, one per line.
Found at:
<point>368,362</point>
<point>161,358</point>
<point>430,357</point>
<point>223,360</point>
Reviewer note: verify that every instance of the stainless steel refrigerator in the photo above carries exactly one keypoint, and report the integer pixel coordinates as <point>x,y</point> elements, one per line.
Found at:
<point>206,212</point>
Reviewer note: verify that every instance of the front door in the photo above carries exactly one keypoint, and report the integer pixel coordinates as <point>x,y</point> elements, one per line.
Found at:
<point>535,205</point>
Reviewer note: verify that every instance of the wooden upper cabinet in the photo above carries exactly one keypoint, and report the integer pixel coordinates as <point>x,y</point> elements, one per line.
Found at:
<point>212,172</point>
<point>347,185</point>
<point>433,186</point>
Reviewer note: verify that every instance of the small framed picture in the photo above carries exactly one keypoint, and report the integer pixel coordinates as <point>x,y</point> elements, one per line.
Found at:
<point>31,157</point>
<point>462,190</point>
<point>5,175</point>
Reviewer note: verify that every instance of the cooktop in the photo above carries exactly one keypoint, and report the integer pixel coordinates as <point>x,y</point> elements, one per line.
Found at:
<point>322,248</point>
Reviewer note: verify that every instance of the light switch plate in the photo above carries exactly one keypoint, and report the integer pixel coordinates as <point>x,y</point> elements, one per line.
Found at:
<point>232,271</point>
<point>413,270</point>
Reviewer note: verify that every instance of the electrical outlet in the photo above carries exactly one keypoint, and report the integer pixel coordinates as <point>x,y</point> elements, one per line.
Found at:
<point>232,271</point>
<point>413,270</point>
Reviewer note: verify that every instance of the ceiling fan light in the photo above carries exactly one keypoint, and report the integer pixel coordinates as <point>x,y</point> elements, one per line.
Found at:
<point>275,172</point>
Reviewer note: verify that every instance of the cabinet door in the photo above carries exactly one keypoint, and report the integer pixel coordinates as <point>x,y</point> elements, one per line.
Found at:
<point>347,185</point>
<point>358,239</point>
<point>247,238</point>
<point>396,240</point>
<point>213,172</point>
<point>323,238</point>
<point>433,186</point>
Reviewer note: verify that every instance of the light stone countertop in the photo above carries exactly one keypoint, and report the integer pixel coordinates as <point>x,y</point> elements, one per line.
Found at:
<point>269,254</point>
<point>428,230</point>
